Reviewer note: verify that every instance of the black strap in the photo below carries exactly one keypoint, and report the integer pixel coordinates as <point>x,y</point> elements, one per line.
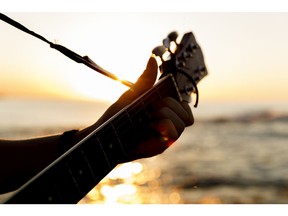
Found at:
<point>21,27</point>
<point>67,52</point>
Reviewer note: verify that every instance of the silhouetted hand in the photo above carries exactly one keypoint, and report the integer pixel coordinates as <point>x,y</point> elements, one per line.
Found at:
<point>169,117</point>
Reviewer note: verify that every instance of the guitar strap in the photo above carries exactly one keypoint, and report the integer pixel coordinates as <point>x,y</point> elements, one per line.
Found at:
<point>67,52</point>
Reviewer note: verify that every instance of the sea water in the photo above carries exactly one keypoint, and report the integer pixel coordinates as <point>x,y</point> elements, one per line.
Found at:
<point>234,153</point>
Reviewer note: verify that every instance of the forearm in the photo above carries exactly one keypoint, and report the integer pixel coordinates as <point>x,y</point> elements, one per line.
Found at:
<point>20,160</point>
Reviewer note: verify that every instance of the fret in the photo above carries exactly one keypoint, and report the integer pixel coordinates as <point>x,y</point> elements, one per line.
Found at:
<point>158,93</point>
<point>96,158</point>
<point>111,144</point>
<point>140,108</point>
<point>151,97</point>
<point>79,168</point>
<point>126,133</point>
<point>103,151</point>
<point>36,194</point>
<point>119,140</point>
<point>139,114</point>
<point>144,103</point>
<point>126,113</point>
<point>63,179</point>
<point>139,120</point>
<point>49,186</point>
<point>90,167</point>
<point>169,88</point>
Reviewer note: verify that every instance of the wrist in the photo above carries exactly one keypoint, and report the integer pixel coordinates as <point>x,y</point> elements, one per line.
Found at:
<point>66,141</point>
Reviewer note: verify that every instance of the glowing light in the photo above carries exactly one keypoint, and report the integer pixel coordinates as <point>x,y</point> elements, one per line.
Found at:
<point>119,193</point>
<point>210,200</point>
<point>126,170</point>
<point>88,86</point>
<point>125,189</point>
<point>174,197</point>
<point>109,194</point>
<point>94,195</point>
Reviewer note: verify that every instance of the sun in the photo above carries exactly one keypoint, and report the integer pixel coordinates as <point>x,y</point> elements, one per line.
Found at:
<point>90,84</point>
<point>91,87</point>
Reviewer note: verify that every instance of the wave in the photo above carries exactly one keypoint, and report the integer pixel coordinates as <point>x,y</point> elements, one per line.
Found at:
<point>207,182</point>
<point>256,116</point>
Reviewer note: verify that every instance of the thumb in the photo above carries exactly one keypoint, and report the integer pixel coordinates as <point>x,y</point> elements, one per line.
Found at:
<point>148,77</point>
<point>144,82</point>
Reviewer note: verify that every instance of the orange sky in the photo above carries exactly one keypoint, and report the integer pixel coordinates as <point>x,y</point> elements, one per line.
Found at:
<point>245,53</point>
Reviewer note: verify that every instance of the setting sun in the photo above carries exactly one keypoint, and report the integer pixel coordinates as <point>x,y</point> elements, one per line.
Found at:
<point>87,87</point>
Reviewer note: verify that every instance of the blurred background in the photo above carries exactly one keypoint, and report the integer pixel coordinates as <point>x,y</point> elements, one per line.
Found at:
<point>236,150</point>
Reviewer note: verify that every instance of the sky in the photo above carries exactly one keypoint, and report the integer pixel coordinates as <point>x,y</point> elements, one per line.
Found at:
<point>245,52</point>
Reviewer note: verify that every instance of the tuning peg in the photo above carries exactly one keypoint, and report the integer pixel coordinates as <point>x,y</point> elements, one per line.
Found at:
<point>173,36</point>
<point>166,42</point>
<point>159,51</point>
<point>170,38</point>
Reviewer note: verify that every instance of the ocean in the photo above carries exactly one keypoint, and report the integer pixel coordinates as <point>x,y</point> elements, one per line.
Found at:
<point>234,153</point>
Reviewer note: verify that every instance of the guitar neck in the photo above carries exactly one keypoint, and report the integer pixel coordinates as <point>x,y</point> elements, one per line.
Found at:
<point>75,173</point>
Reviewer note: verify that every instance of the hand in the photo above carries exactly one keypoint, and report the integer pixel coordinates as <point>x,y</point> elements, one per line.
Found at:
<point>168,118</point>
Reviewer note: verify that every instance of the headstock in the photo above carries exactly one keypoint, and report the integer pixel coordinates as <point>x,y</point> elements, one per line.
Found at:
<point>185,62</point>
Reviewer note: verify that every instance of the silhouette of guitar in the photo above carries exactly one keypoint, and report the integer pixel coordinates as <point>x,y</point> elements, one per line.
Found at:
<point>69,178</point>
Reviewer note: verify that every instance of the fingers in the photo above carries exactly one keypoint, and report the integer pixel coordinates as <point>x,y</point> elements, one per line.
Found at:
<point>170,118</point>
<point>189,120</point>
<point>148,78</point>
<point>181,109</point>
<point>169,124</point>
<point>151,147</point>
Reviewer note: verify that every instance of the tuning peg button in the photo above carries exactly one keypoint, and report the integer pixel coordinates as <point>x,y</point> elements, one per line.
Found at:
<point>173,36</point>
<point>201,70</point>
<point>192,47</point>
<point>180,64</point>
<point>159,51</point>
<point>170,38</point>
<point>166,42</point>
<point>187,55</point>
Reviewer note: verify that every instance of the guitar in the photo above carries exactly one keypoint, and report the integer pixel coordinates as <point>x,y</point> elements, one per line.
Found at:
<point>70,177</point>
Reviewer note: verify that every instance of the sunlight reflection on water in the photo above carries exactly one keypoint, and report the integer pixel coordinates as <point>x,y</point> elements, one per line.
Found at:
<point>130,183</point>
<point>229,162</point>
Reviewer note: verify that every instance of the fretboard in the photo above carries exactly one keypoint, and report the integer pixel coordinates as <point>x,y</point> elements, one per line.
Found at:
<point>69,178</point>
